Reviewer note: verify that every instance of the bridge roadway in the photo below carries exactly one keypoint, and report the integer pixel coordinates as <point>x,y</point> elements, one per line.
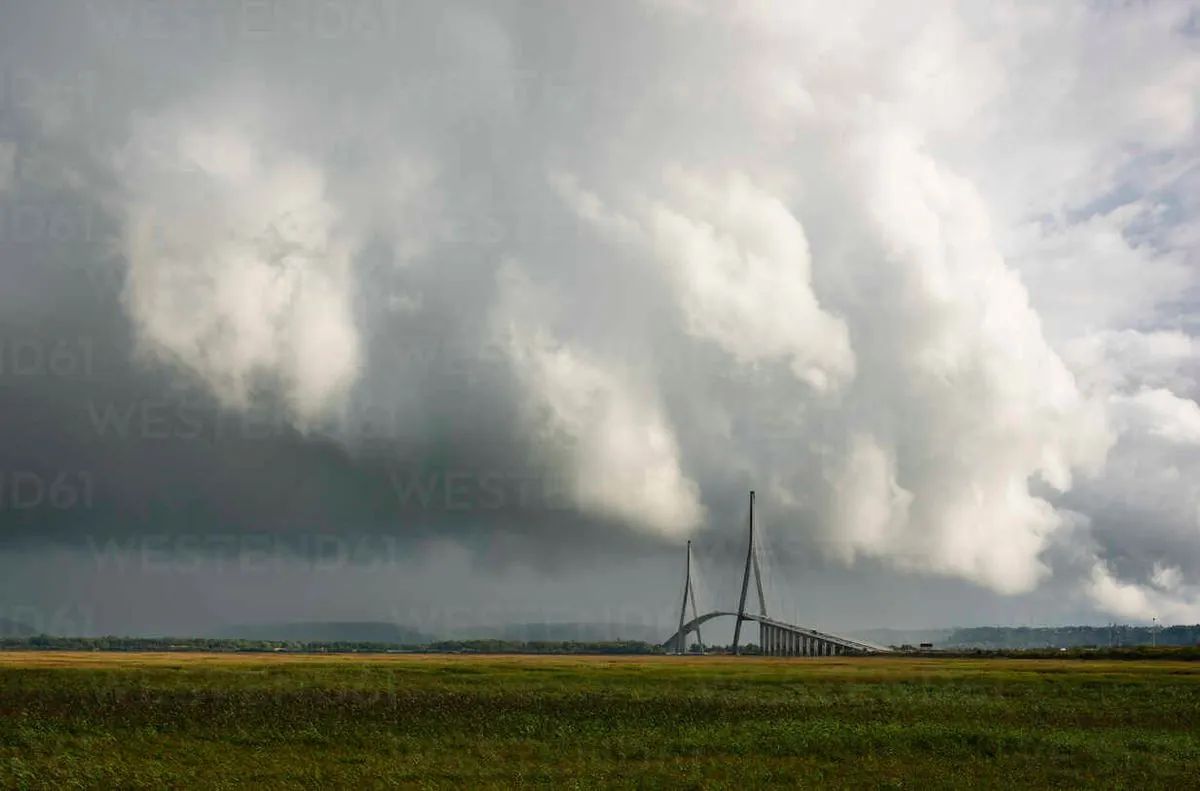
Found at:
<point>785,639</point>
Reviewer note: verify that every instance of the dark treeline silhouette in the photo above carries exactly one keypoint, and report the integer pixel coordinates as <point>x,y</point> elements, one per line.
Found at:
<point>1175,652</point>
<point>48,643</point>
<point>1115,636</point>
<point>1119,641</point>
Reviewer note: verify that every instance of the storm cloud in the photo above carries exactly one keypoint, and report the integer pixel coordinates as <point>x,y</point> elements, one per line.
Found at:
<point>556,283</point>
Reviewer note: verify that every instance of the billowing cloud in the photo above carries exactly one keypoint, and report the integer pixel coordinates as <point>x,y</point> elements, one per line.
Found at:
<point>921,274</point>
<point>235,266</point>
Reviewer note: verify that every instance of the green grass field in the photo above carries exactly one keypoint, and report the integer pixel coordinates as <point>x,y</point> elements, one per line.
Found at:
<point>233,721</point>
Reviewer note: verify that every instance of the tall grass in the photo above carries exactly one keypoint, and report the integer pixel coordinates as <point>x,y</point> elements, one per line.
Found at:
<point>451,722</point>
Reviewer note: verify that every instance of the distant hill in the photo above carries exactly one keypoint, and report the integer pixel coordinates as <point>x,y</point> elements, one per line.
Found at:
<point>898,637</point>
<point>1007,637</point>
<point>564,632</point>
<point>993,638</point>
<point>382,632</point>
<point>328,632</point>
<point>14,629</point>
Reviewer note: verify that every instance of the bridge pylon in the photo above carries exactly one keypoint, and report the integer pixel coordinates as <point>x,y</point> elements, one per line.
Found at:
<point>751,564</point>
<point>689,593</point>
<point>778,638</point>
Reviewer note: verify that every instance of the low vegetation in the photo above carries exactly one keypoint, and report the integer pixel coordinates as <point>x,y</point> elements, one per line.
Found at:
<point>98,720</point>
<point>210,644</point>
<point>495,646</point>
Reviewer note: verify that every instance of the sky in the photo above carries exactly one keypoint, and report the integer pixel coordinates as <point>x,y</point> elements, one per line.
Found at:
<point>447,313</point>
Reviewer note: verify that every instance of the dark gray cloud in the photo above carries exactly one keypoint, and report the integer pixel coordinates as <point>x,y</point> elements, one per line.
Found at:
<point>558,284</point>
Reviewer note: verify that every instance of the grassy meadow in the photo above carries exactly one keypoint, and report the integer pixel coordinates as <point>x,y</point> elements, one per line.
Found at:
<point>95,720</point>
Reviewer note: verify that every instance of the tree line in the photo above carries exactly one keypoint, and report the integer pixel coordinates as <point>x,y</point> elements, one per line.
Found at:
<point>50,643</point>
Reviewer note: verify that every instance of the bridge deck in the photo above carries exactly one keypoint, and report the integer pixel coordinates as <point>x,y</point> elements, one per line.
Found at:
<point>845,642</point>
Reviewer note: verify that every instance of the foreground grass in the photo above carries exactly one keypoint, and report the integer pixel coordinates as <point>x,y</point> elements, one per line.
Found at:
<point>172,720</point>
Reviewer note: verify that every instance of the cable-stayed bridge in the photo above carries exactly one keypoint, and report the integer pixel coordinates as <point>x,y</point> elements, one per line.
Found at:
<point>776,637</point>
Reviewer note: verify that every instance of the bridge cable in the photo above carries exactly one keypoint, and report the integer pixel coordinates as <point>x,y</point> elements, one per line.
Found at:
<point>741,608</point>
<point>764,576</point>
<point>700,591</point>
<point>781,590</point>
<point>695,616</point>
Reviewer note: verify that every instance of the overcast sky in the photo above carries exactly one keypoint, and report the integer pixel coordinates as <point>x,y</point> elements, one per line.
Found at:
<point>448,312</point>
